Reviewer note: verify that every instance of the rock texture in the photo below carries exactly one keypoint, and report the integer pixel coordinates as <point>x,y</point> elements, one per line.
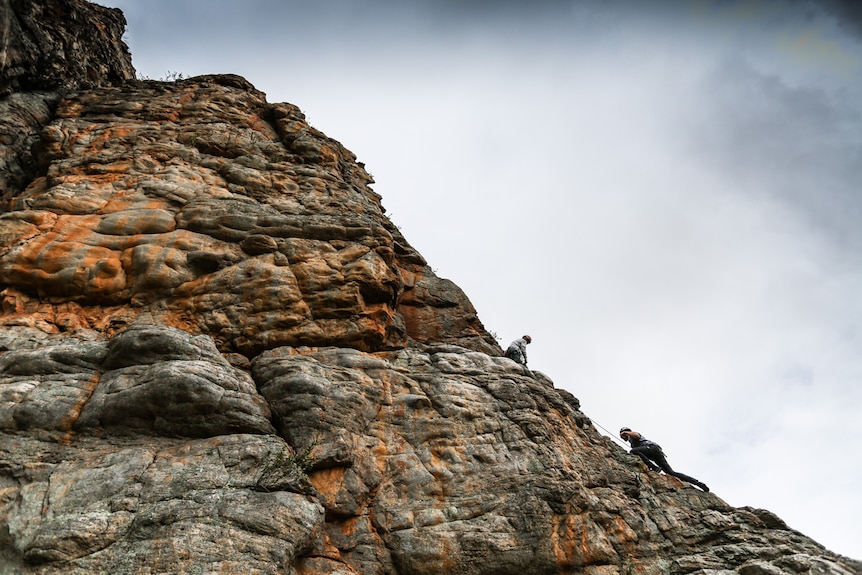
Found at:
<point>217,355</point>
<point>46,49</point>
<point>199,205</point>
<point>55,45</point>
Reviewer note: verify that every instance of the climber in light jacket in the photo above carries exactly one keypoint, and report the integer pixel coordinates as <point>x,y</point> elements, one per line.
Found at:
<point>517,350</point>
<point>651,454</point>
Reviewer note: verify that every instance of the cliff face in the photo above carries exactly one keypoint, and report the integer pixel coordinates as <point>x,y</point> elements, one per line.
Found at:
<point>217,355</point>
<point>199,205</point>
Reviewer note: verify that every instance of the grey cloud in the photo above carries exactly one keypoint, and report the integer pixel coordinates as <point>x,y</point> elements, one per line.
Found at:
<point>848,13</point>
<point>802,145</point>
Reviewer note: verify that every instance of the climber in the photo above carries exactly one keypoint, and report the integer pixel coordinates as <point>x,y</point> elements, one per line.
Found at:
<point>517,350</point>
<point>651,454</point>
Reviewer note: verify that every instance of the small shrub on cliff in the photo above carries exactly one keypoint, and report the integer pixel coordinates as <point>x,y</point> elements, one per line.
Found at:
<point>172,77</point>
<point>284,471</point>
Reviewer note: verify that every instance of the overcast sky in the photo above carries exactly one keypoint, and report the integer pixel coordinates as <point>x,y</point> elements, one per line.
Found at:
<point>665,195</point>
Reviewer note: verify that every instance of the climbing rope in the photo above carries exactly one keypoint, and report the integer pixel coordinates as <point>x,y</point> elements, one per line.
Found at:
<point>613,435</point>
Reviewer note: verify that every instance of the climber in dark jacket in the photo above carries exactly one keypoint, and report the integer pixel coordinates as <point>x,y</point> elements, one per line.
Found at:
<point>517,350</point>
<point>651,454</point>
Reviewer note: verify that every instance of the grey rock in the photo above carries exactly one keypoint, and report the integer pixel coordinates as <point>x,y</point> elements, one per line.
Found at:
<point>153,506</point>
<point>150,452</point>
<point>64,44</point>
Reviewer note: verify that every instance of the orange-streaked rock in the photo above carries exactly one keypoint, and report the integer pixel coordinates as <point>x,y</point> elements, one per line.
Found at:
<point>199,205</point>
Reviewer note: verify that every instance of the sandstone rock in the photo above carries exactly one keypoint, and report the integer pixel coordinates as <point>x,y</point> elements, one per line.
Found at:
<point>217,355</point>
<point>432,460</point>
<point>48,48</point>
<point>65,44</point>
<point>254,228</point>
<point>147,379</point>
<point>22,116</point>
<point>161,380</point>
<point>143,506</point>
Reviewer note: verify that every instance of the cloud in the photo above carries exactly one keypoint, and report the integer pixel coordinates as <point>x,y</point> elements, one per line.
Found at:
<point>801,144</point>
<point>848,13</point>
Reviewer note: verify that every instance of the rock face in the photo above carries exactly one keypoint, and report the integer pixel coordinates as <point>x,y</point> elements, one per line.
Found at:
<point>46,49</point>
<point>56,45</point>
<point>199,205</point>
<point>217,355</point>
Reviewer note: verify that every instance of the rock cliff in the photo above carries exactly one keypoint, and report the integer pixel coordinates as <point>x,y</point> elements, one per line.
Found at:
<point>218,355</point>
